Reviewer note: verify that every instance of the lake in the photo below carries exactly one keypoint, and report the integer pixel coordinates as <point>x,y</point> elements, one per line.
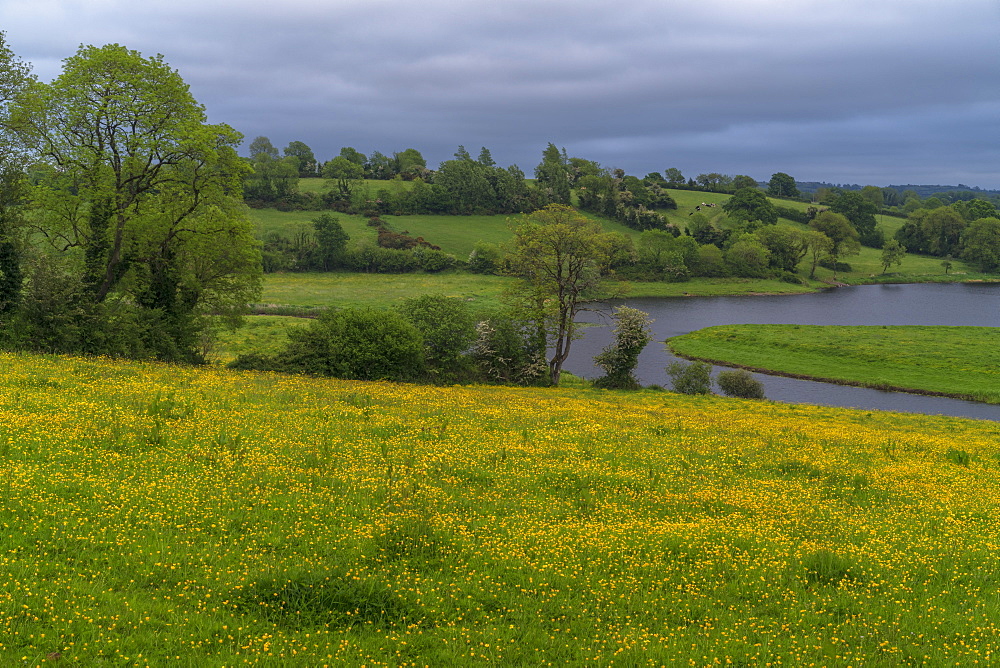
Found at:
<point>968,304</point>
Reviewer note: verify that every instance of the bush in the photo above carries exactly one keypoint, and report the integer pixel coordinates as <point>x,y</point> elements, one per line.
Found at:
<point>690,378</point>
<point>841,267</point>
<point>448,330</point>
<point>375,260</point>
<point>740,383</point>
<point>356,343</point>
<point>619,360</point>
<point>508,349</point>
<point>485,258</point>
<point>433,261</point>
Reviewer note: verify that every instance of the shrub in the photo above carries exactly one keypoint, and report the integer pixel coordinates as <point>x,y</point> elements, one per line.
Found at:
<point>508,349</point>
<point>620,359</point>
<point>448,330</point>
<point>373,259</point>
<point>484,258</point>
<point>356,343</point>
<point>690,378</point>
<point>740,383</point>
<point>433,261</point>
<point>842,267</point>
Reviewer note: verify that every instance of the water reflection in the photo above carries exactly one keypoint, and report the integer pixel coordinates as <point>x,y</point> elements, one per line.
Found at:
<point>924,304</point>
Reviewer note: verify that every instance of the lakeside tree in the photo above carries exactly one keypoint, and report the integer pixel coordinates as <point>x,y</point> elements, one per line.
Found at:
<point>560,257</point>
<point>981,244</point>
<point>138,196</point>
<point>448,330</point>
<point>934,231</point>
<point>740,383</point>
<point>786,246</point>
<point>690,377</point>
<point>893,253</point>
<point>817,246</point>
<point>619,360</point>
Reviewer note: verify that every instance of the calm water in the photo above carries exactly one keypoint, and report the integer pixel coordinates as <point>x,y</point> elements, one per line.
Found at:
<point>926,304</point>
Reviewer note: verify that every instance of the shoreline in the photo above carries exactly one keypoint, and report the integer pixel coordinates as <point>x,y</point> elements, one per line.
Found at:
<point>882,387</point>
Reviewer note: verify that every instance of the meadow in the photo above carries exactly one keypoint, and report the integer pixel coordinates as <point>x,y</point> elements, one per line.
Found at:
<point>962,362</point>
<point>154,514</point>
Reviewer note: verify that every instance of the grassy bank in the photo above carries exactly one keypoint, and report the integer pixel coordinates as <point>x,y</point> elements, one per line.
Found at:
<point>953,361</point>
<point>157,515</point>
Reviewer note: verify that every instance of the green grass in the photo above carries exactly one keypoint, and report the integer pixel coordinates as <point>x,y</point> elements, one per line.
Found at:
<point>290,223</point>
<point>158,515</point>
<point>955,361</point>
<point>454,234</point>
<point>265,334</point>
<point>322,290</point>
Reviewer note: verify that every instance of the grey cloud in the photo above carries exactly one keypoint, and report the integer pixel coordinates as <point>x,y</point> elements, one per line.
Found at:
<point>822,90</point>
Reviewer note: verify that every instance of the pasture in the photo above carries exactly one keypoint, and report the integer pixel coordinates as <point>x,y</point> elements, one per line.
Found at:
<point>154,514</point>
<point>955,361</point>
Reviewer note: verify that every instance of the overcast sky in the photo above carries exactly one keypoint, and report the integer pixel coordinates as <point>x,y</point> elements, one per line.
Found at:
<point>846,91</point>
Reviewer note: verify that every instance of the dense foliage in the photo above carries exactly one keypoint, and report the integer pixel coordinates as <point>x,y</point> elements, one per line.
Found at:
<point>132,229</point>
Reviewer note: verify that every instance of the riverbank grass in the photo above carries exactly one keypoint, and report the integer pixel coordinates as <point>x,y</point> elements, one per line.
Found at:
<point>158,515</point>
<point>961,362</point>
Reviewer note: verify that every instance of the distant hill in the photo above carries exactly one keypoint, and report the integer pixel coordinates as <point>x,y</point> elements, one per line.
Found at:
<point>923,191</point>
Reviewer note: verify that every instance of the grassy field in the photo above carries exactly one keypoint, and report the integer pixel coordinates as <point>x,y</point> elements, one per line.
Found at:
<point>955,361</point>
<point>264,334</point>
<point>322,290</point>
<point>158,515</point>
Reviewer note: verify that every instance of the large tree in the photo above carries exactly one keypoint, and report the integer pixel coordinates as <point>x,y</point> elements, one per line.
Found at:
<point>345,174</point>
<point>842,235</point>
<point>861,213</point>
<point>138,189</point>
<point>782,185</point>
<point>306,159</point>
<point>552,175</point>
<point>410,163</point>
<point>271,178</point>
<point>560,256</point>
<point>14,76</point>
<point>981,243</point>
<point>751,207</point>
